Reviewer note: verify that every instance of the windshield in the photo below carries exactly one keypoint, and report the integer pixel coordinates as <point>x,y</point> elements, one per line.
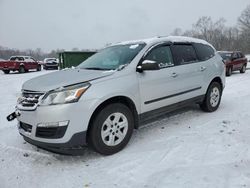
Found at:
<point>225,55</point>
<point>113,57</point>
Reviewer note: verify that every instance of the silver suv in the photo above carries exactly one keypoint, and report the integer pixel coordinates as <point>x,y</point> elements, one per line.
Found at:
<point>101,101</point>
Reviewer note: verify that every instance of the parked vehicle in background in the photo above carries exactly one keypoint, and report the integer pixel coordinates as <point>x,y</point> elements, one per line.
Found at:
<point>248,57</point>
<point>19,63</point>
<point>102,100</point>
<point>234,61</point>
<point>50,63</point>
<point>248,60</point>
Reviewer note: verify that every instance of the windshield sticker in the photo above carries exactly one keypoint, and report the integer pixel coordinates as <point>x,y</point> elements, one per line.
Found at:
<point>134,46</point>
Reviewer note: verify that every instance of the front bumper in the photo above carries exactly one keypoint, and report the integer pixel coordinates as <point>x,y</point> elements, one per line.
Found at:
<point>72,147</point>
<point>77,114</point>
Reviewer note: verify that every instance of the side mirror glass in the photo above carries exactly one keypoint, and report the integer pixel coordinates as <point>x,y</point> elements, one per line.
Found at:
<point>148,65</point>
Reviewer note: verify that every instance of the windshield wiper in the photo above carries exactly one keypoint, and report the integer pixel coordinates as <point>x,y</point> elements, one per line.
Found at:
<point>96,68</point>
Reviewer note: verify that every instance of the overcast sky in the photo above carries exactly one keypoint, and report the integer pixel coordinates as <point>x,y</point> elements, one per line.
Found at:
<point>64,24</point>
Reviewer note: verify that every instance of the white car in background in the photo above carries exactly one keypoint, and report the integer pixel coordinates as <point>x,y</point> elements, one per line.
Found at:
<point>50,63</point>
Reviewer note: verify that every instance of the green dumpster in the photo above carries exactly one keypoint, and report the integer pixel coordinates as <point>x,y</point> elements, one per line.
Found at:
<point>68,59</point>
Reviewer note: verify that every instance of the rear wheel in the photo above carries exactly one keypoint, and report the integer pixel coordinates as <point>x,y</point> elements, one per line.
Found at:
<point>212,98</point>
<point>229,71</point>
<point>21,69</point>
<point>6,71</point>
<point>243,69</point>
<point>111,129</point>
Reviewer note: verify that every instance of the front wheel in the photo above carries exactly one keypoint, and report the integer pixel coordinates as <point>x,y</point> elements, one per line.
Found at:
<point>111,129</point>
<point>21,69</point>
<point>212,98</point>
<point>243,69</point>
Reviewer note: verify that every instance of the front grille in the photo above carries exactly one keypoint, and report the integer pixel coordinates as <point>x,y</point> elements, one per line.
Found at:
<point>50,132</point>
<point>30,98</point>
<point>26,127</point>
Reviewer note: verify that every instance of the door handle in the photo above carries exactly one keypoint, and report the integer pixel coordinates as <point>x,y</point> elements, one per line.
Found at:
<point>174,74</point>
<point>203,68</point>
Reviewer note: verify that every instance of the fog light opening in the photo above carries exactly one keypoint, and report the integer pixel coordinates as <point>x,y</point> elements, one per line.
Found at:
<point>53,124</point>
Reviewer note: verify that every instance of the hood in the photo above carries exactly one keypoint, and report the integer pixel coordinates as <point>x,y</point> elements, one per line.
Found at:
<point>62,78</point>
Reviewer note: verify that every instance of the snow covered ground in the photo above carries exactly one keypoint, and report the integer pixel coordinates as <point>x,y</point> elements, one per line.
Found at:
<point>190,149</point>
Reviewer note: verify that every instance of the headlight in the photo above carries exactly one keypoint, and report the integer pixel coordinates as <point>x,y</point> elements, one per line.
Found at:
<point>65,95</point>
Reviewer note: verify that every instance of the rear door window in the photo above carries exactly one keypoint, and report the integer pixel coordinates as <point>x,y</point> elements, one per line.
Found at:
<point>184,54</point>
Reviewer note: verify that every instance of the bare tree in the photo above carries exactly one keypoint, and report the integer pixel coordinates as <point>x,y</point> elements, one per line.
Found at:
<point>244,19</point>
<point>203,27</point>
<point>221,36</point>
<point>244,23</point>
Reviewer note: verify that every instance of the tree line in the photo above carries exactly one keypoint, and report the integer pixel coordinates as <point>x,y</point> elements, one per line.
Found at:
<point>38,54</point>
<point>216,32</point>
<point>221,36</point>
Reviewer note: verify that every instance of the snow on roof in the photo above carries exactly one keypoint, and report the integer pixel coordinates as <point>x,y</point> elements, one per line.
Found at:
<point>229,51</point>
<point>225,51</point>
<point>24,56</point>
<point>167,39</point>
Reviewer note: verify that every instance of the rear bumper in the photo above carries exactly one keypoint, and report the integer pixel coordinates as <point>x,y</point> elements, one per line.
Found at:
<point>50,66</point>
<point>73,147</point>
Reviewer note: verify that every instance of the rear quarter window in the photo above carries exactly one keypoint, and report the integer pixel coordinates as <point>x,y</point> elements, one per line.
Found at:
<point>204,52</point>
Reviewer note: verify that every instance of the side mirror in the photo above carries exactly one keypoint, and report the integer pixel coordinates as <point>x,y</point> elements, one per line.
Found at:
<point>148,65</point>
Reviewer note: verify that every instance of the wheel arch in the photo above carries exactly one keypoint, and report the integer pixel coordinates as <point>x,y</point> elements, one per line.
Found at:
<point>117,99</point>
<point>218,80</point>
<point>22,65</point>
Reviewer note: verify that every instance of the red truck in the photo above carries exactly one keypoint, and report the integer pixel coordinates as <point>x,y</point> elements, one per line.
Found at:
<point>19,63</point>
<point>234,61</point>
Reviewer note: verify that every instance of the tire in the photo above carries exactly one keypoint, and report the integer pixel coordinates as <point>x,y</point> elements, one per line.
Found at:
<point>106,136</point>
<point>6,71</point>
<point>39,68</point>
<point>229,71</point>
<point>21,69</point>
<point>212,98</point>
<point>243,69</point>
